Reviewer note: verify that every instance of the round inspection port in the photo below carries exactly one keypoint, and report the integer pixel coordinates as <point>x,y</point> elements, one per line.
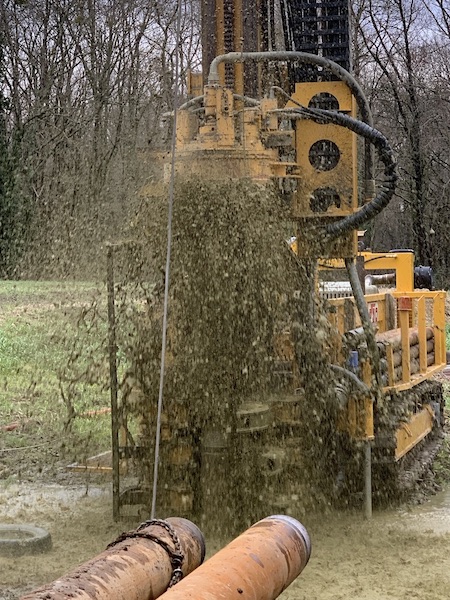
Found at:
<point>324,101</point>
<point>324,155</point>
<point>323,198</point>
<point>17,540</point>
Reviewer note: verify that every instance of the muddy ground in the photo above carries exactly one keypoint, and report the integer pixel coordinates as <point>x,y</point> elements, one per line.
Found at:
<point>400,553</point>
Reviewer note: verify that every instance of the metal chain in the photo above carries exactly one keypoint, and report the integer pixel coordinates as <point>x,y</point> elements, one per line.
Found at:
<point>176,555</point>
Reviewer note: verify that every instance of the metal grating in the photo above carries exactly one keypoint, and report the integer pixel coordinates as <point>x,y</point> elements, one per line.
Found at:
<point>319,27</point>
<point>228,41</point>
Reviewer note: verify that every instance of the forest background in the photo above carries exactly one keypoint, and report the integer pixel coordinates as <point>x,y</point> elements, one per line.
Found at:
<point>84,90</point>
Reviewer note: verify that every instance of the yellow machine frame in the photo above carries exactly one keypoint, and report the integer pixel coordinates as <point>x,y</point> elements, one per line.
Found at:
<point>419,309</point>
<point>241,141</point>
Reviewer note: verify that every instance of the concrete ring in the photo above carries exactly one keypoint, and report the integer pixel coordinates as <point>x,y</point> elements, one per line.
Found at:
<point>16,540</point>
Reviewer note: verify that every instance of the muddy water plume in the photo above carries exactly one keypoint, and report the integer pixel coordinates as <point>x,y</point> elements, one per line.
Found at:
<point>234,287</point>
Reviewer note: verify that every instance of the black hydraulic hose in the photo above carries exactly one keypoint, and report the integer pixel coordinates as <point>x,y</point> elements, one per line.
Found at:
<point>305,57</point>
<point>352,377</point>
<point>325,63</point>
<point>363,311</point>
<point>387,190</point>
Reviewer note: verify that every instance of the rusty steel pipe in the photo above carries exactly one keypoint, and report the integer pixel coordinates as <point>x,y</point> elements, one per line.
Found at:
<point>135,568</point>
<point>258,565</point>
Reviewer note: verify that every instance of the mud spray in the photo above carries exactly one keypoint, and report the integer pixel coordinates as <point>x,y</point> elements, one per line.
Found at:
<point>229,453</point>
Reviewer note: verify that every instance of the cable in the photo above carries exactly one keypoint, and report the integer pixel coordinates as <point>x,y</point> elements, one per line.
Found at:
<point>168,256</point>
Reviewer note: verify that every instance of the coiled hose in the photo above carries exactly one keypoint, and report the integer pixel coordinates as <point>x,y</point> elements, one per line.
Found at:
<point>385,153</point>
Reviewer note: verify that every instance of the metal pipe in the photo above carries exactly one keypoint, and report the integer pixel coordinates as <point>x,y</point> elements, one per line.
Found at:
<point>112,355</point>
<point>336,69</point>
<point>136,568</point>
<point>188,104</point>
<point>384,279</point>
<point>368,480</point>
<point>258,565</point>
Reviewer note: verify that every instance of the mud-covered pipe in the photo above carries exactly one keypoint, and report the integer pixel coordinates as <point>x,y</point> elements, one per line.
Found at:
<point>366,323</point>
<point>314,59</point>
<point>352,377</point>
<point>258,565</point>
<point>384,279</point>
<point>137,568</point>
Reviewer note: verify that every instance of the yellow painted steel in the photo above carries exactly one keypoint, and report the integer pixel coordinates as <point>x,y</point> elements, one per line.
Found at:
<point>357,419</point>
<point>194,83</point>
<point>220,38</point>
<point>439,328</point>
<point>342,179</point>
<point>248,142</point>
<point>434,318</point>
<point>411,433</point>
<point>400,262</point>
<point>254,143</point>
<point>227,142</point>
<point>422,328</point>
<point>415,379</point>
<point>369,431</point>
<point>404,333</point>
<point>403,265</point>
<point>238,39</point>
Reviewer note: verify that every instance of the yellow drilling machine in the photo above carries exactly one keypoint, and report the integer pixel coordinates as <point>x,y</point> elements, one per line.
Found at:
<point>276,106</point>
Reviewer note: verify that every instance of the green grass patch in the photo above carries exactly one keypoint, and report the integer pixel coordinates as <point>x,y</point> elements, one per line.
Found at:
<point>53,363</point>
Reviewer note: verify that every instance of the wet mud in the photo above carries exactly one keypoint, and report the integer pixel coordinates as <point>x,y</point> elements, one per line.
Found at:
<point>400,553</point>
<point>79,519</point>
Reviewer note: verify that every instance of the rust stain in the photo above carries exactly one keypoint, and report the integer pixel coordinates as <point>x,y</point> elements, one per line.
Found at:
<point>144,560</point>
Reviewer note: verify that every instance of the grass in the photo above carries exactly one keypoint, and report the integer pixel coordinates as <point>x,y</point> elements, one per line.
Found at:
<point>53,357</point>
<point>44,346</point>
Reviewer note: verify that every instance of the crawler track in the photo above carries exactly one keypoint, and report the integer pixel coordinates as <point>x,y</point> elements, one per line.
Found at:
<point>394,479</point>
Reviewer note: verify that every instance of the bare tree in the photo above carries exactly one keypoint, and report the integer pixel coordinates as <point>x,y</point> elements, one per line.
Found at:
<point>391,33</point>
<point>87,83</point>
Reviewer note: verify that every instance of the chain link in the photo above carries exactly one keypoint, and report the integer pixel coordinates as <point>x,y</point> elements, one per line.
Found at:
<point>175,555</point>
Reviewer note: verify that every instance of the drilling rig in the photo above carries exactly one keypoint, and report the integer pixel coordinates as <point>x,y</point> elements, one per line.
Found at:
<point>276,105</point>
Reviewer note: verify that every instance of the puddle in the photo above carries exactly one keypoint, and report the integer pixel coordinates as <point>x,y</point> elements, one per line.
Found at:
<point>431,517</point>
<point>22,501</point>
